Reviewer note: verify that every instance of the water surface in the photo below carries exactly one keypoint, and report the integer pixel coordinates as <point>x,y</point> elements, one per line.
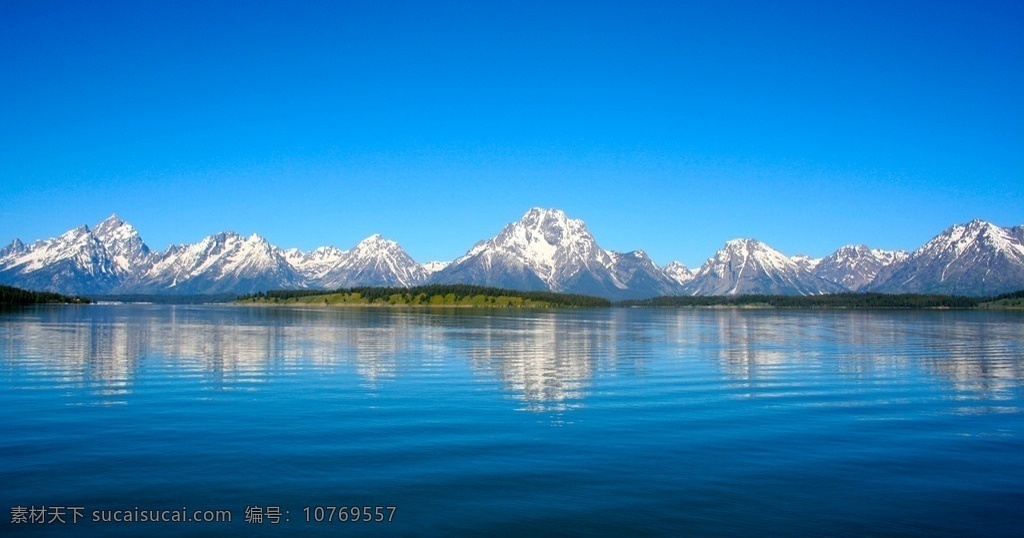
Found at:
<point>580,422</point>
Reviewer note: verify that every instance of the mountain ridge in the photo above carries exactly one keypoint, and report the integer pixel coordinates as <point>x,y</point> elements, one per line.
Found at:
<point>545,250</point>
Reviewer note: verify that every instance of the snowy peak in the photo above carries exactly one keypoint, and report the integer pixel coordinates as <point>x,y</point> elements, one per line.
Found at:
<point>375,261</point>
<point>15,248</point>
<point>123,243</point>
<point>435,266</point>
<point>637,275</point>
<point>805,262</point>
<point>375,245</point>
<point>112,222</point>
<point>678,272</point>
<point>976,258</point>
<point>545,241</point>
<point>854,267</point>
<point>547,250</point>
<point>543,250</point>
<point>223,262</point>
<point>77,261</point>
<point>745,266</point>
<point>751,252</point>
<point>315,264</point>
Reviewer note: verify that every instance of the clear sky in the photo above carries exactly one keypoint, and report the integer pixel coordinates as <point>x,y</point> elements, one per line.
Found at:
<point>668,126</point>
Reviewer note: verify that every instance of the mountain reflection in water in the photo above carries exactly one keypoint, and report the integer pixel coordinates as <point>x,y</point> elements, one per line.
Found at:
<point>546,360</point>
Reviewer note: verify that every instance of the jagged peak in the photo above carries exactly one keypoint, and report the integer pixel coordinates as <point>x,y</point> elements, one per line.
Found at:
<point>112,220</point>
<point>376,241</point>
<point>894,254</point>
<point>15,247</point>
<point>745,244</point>
<point>750,249</point>
<point>740,242</point>
<point>959,236</point>
<point>552,225</point>
<point>973,226</point>
<point>374,238</point>
<point>852,250</point>
<point>328,250</point>
<point>540,213</point>
<point>76,232</point>
<point>113,229</point>
<point>435,266</point>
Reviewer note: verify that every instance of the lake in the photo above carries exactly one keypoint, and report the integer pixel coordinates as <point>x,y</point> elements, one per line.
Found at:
<point>604,422</point>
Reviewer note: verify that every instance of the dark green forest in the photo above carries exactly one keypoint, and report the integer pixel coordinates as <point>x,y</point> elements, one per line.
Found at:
<point>16,296</point>
<point>470,295</point>
<point>434,294</point>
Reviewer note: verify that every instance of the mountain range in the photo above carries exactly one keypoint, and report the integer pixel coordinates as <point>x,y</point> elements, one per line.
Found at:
<point>544,250</point>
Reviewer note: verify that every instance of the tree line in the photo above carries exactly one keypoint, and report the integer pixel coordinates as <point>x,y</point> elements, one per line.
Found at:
<point>836,300</point>
<point>459,291</point>
<point>16,296</point>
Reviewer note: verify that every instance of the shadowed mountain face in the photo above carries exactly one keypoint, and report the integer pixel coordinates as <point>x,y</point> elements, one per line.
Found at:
<point>544,251</point>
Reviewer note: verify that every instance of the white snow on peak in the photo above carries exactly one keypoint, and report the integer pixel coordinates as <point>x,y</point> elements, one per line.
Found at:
<point>546,241</point>
<point>544,244</point>
<point>435,266</point>
<point>678,272</point>
<point>750,266</point>
<point>752,249</point>
<point>977,234</point>
<point>855,266</point>
<point>374,243</point>
<point>805,262</point>
<point>889,257</point>
<point>226,255</point>
<point>123,244</point>
<point>375,261</point>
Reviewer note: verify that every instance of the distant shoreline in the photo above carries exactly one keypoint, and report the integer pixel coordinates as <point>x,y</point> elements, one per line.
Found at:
<point>474,296</point>
<point>469,296</point>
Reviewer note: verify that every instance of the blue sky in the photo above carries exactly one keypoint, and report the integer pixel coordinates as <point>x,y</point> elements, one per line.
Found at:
<point>668,126</point>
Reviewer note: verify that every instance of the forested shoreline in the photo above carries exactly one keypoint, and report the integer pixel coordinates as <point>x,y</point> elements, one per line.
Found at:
<point>11,296</point>
<point>462,295</point>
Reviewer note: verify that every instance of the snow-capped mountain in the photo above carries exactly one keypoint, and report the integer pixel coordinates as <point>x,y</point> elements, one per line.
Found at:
<point>435,266</point>
<point>221,263</point>
<point>112,258</point>
<point>805,262</point>
<point>641,275</point>
<point>124,245</point>
<point>678,272</point>
<point>746,266</point>
<point>546,250</point>
<point>855,266</point>
<point>316,264</point>
<point>375,261</point>
<point>77,262</point>
<point>11,251</point>
<point>977,258</point>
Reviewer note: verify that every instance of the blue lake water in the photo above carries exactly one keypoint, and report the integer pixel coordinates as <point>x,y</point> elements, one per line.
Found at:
<point>610,422</point>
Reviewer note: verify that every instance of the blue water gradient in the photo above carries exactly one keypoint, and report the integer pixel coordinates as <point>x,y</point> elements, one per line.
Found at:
<point>612,422</point>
